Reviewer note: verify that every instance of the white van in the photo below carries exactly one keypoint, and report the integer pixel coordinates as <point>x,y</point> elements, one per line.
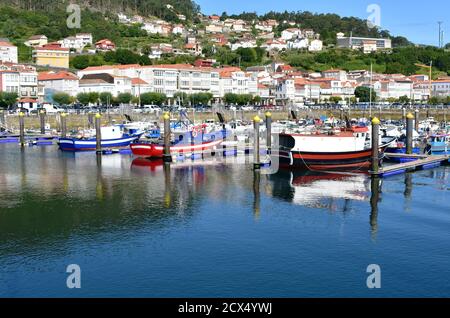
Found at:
<point>51,109</point>
<point>151,109</point>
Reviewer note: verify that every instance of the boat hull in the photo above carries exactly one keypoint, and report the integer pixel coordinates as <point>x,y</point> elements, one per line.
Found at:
<point>157,150</point>
<point>353,160</point>
<point>326,160</point>
<point>74,144</point>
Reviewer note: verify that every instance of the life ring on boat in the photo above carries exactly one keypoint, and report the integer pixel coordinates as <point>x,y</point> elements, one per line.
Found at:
<point>194,133</point>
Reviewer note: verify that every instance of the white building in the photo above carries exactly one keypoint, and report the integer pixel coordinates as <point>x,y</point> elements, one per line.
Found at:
<point>178,29</point>
<point>72,43</point>
<point>297,44</point>
<point>153,28</point>
<point>85,38</point>
<point>36,41</point>
<point>8,52</point>
<point>366,44</point>
<point>20,79</point>
<point>390,88</point>
<point>243,44</point>
<point>169,79</point>
<point>214,28</point>
<point>441,88</point>
<point>315,46</point>
<point>56,82</point>
<point>291,33</point>
<point>105,83</point>
<point>272,45</point>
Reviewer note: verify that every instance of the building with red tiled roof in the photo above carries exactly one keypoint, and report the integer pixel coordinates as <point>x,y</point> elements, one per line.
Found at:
<point>52,55</point>
<point>105,45</point>
<point>58,82</point>
<point>8,52</point>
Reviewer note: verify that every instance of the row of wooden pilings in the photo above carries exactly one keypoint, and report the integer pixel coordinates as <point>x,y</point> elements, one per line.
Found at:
<point>167,157</point>
<point>375,164</point>
<point>63,126</point>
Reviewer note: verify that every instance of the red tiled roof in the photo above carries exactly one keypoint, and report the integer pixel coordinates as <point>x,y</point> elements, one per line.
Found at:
<point>52,47</point>
<point>52,76</point>
<point>27,100</point>
<point>110,67</point>
<point>4,43</point>
<point>138,81</point>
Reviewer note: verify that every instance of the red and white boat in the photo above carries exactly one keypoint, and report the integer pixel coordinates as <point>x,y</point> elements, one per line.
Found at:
<point>343,149</point>
<point>185,144</point>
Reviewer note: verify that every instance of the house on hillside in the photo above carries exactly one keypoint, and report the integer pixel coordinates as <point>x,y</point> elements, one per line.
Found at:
<point>105,45</point>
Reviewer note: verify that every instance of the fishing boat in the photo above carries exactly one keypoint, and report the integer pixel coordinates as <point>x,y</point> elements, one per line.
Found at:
<point>112,137</point>
<point>185,142</point>
<point>345,148</point>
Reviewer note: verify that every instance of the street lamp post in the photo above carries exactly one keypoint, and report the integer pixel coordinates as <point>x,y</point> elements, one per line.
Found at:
<point>139,87</point>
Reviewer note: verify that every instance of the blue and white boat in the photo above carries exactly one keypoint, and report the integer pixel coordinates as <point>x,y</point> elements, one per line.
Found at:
<point>112,137</point>
<point>439,144</point>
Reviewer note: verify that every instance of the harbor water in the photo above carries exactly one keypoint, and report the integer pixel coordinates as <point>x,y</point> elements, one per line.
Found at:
<point>137,229</point>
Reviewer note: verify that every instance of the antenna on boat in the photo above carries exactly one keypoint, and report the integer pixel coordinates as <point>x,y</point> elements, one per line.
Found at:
<point>221,118</point>
<point>128,117</point>
<point>348,124</point>
<point>294,115</point>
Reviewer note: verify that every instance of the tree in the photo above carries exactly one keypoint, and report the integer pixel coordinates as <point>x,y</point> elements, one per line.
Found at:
<point>126,57</point>
<point>93,97</point>
<point>181,97</point>
<point>83,98</point>
<point>7,99</point>
<point>247,55</point>
<point>335,99</point>
<point>62,98</point>
<point>200,98</point>
<point>124,98</point>
<point>244,99</point>
<point>81,62</point>
<point>404,99</point>
<point>106,98</point>
<point>363,93</point>
<point>434,101</point>
<point>153,98</point>
<point>230,98</point>
<point>256,100</point>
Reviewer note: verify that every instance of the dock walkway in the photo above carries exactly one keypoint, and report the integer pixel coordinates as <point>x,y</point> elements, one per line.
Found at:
<point>422,162</point>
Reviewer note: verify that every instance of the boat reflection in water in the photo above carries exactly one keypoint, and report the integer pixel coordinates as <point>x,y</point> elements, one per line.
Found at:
<point>322,190</point>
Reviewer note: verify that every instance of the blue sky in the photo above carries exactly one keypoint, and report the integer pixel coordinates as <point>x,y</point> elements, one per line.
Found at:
<point>417,20</point>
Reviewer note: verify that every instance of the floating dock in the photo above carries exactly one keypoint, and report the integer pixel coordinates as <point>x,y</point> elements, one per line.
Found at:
<point>418,162</point>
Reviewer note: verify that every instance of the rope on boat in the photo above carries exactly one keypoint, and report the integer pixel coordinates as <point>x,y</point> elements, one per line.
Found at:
<point>316,170</point>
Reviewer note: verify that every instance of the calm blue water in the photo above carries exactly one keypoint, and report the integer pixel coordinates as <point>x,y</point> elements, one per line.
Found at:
<point>215,230</point>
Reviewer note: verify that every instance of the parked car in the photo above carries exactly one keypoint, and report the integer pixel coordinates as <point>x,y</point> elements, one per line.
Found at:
<point>148,109</point>
<point>50,108</point>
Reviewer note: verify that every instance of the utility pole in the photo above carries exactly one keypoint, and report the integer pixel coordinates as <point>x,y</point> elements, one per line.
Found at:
<point>430,80</point>
<point>370,94</point>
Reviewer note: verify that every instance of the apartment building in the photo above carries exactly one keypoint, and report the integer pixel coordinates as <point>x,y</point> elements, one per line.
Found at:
<point>105,83</point>
<point>36,41</point>
<point>8,52</point>
<point>172,78</point>
<point>361,43</point>
<point>51,54</point>
<point>441,88</point>
<point>393,88</point>
<point>20,79</point>
<point>58,82</point>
